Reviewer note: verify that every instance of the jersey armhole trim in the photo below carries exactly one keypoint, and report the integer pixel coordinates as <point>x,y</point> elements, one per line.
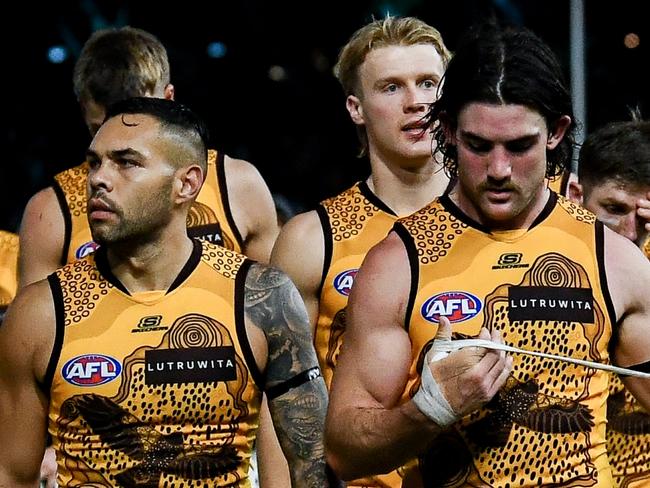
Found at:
<point>412,254</point>
<point>600,256</point>
<point>240,323</point>
<point>220,168</point>
<point>57,298</point>
<point>327,244</point>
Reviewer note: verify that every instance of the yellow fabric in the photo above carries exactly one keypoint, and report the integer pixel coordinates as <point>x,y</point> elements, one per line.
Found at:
<point>209,218</point>
<point>628,437</point>
<point>555,183</point>
<point>355,224</point>
<point>628,433</point>
<point>547,424</point>
<point>122,424</point>
<point>8,267</point>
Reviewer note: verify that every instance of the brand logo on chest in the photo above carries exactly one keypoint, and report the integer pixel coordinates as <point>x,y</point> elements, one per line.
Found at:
<point>510,260</point>
<point>209,232</point>
<point>91,370</point>
<point>343,281</point>
<point>86,249</point>
<point>190,365</point>
<point>550,303</point>
<point>150,323</point>
<point>457,306</point>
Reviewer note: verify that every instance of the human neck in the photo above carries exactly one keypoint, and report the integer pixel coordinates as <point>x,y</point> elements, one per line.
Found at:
<point>151,265</point>
<point>523,220</point>
<point>407,189</point>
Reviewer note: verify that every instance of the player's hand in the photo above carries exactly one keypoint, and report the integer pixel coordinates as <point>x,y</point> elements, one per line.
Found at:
<point>470,377</point>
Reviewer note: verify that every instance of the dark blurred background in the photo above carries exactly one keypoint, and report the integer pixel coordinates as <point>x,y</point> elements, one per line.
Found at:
<point>260,73</point>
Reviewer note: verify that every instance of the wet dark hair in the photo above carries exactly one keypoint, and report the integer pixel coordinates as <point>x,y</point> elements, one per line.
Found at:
<point>174,118</point>
<point>504,65</point>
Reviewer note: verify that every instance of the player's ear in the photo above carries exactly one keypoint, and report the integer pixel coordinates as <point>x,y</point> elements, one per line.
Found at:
<point>170,91</point>
<point>355,109</point>
<point>188,182</point>
<point>574,191</point>
<point>557,132</point>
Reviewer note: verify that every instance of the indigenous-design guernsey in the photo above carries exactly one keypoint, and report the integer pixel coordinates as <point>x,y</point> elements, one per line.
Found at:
<point>153,389</point>
<point>628,437</point>
<point>545,289</point>
<point>210,217</point>
<point>628,433</point>
<point>353,222</point>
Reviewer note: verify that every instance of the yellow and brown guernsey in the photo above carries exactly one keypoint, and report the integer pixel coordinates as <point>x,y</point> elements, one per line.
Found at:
<point>544,288</point>
<point>210,217</point>
<point>353,222</point>
<point>154,389</point>
<point>628,433</point>
<point>628,437</point>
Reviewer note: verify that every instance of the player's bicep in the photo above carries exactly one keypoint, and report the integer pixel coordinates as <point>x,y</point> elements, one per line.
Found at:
<point>26,339</point>
<point>299,252</point>
<point>633,350</point>
<point>376,354</point>
<point>253,208</point>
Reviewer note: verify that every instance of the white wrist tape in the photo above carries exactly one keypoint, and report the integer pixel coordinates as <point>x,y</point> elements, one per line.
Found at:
<point>429,398</point>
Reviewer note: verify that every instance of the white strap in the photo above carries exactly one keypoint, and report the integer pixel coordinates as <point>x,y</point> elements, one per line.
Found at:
<point>432,402</point>
<point>445,346</point>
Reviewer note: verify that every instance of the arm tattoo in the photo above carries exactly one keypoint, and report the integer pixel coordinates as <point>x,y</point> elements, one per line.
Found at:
<point>274,305</point>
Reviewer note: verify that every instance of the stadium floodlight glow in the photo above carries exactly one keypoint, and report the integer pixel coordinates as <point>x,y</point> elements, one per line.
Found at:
<point>57,54</point>
<point>216,50</point>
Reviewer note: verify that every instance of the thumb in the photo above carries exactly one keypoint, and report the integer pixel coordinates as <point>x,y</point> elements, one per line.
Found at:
<point>443,334</point>
<point>444,329</point>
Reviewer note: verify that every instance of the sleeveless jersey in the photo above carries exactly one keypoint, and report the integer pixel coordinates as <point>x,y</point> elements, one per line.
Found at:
<point>544,288</point>
<point>210,217</point>
<point>156,388</point>
<point>353,222</point>
<point>8,269</point>
<point>628,434</point>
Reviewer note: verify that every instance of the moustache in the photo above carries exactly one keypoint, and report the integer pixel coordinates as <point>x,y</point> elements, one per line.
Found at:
<point>99,201</point>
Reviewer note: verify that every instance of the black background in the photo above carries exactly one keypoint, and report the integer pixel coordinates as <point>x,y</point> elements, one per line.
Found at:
<point>294,129</point>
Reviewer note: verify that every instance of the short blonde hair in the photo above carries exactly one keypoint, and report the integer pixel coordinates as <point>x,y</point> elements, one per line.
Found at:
<point>391,31</point>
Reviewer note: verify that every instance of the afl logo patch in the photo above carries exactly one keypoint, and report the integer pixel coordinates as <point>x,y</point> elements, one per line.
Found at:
<point>85,249</point>
<point>457,306</point>
<point>91,370</point>
<point>343,281</point>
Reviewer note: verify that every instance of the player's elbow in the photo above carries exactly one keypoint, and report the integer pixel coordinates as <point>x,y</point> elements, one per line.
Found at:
<point>339,459</point>
<point>343,470</point>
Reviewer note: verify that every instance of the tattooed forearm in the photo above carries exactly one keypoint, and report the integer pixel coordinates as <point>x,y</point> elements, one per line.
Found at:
<point>273,304</point>
<point>299,417</point>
